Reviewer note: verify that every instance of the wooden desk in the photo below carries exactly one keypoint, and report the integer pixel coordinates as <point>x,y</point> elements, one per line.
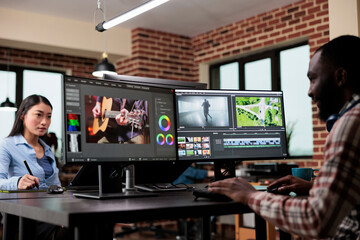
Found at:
<point>94,219</point>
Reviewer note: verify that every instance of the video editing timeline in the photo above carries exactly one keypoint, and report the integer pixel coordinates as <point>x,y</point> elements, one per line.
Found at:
<point>109,121</point>
<point>227,124</point>
<point>251,142</point>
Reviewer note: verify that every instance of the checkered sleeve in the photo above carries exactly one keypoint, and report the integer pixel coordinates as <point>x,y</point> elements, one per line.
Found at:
<point>335,193</point>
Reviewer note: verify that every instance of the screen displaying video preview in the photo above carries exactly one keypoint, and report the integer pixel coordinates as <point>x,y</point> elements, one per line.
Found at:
<point>110,121</point>
<point>227,124</point>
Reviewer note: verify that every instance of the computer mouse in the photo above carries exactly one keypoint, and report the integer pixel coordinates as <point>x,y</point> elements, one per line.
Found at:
<point>275,190</point>
<point>55,189</point>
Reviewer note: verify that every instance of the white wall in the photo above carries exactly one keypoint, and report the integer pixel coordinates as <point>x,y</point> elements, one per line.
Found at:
<point>60,35</point>
<point>344,17</point>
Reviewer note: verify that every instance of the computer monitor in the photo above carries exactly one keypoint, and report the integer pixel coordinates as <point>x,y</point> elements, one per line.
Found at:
<point>132,123</point>
<point>223,125</point>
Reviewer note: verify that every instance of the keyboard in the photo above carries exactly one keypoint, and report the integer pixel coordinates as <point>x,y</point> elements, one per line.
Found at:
<point>205,193</point>
<point>159,187</point>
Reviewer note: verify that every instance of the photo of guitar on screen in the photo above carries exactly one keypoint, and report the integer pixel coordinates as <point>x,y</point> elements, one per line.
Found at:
<point>116,120</point>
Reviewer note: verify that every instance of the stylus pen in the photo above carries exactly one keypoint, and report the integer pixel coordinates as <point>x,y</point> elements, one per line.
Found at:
<point>29,170</point>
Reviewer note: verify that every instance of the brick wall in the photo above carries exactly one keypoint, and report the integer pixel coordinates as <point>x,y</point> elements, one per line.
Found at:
<point>82,67</point>
<point>159,55</point>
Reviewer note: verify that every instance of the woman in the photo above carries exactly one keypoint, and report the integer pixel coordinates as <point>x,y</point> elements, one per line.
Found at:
<point>23,143</point>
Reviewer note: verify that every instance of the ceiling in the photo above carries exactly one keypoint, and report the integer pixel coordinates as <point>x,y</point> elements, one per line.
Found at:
<point>184,17</point>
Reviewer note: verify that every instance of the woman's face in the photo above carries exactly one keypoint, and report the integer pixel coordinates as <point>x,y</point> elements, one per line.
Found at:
<point>37,119</point>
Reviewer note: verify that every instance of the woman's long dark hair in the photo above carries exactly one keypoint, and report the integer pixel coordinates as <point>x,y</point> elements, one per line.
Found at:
<point>25,105</point>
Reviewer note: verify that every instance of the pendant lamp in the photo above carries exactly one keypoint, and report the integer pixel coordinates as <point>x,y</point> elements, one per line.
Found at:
<point>104,67</point>
<point>7,105</point>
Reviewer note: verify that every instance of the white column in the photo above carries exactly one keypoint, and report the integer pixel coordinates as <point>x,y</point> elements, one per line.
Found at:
<point>344,17</point>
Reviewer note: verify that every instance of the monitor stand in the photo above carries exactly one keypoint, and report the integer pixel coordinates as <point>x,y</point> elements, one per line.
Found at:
<point>110,184</point>
<point>228,165</point>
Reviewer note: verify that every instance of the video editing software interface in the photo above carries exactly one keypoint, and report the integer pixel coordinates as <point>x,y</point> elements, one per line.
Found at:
<point>109,121</point>
<point>226,124</point>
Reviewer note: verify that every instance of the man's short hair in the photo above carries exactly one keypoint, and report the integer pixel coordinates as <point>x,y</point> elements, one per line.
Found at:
<point>344,51</point>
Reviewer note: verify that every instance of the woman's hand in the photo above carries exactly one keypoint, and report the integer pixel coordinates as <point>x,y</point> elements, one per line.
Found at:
<point>28,182</point>
<point>290,183</point>
<point>238,189</point>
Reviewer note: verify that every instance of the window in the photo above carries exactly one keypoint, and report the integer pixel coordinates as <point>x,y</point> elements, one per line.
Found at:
<point>258,75</point>
<point>298,114</point>
<point>24,82</point>
<point>229,74</point>
<point>279,69</point>
<point>7,90</point>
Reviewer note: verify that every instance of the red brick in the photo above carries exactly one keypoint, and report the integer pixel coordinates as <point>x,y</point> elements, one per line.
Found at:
<point>294,35</point>
<point>318,156</point>
<point>308,17</point>
<point>287,30</point>
<point>307,32</point>
<point>323,27</point>
<point>313,10</point>
<point>280,39</point>
<point>301,26</point>
<point>323,13</point>
<point>274,22</point>
<point>322,41</point>
<point>307,5</point>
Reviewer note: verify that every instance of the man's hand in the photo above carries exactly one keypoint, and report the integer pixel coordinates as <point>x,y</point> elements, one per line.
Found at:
<point>238,189</point>
<point>290,183</point>
<point>121,118</point>
<point>28,182</point>
<point>97,110</point>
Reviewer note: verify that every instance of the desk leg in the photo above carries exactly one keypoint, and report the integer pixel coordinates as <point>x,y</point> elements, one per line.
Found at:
<point>206,228</point>
<point>260,227</point>
<point>27,229</point>
<point>10,226</point>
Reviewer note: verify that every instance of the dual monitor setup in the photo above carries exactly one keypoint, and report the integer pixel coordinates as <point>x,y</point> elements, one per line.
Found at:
<point>125,121</point>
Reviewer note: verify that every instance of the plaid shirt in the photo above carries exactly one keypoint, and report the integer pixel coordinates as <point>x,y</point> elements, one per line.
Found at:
<point>332,209</point>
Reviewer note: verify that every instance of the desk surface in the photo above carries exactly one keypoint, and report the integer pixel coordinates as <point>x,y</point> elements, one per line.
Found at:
<point>70,211</point>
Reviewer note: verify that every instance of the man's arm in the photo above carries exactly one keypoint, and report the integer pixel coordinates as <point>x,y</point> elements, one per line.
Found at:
<point>335,191</point>
<point>334,194</point>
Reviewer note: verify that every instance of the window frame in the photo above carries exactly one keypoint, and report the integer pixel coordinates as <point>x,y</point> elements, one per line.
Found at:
<point>273,54</point>
<point>19,70</point>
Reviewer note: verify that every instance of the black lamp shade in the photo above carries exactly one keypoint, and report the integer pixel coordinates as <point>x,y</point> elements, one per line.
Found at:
<point>104,67</point>
<point>7,106</point>
<point>7,103</point>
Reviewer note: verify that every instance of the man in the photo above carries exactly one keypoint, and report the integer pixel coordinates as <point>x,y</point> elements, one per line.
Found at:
<point>332,208</point>
<point>206,106</point>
